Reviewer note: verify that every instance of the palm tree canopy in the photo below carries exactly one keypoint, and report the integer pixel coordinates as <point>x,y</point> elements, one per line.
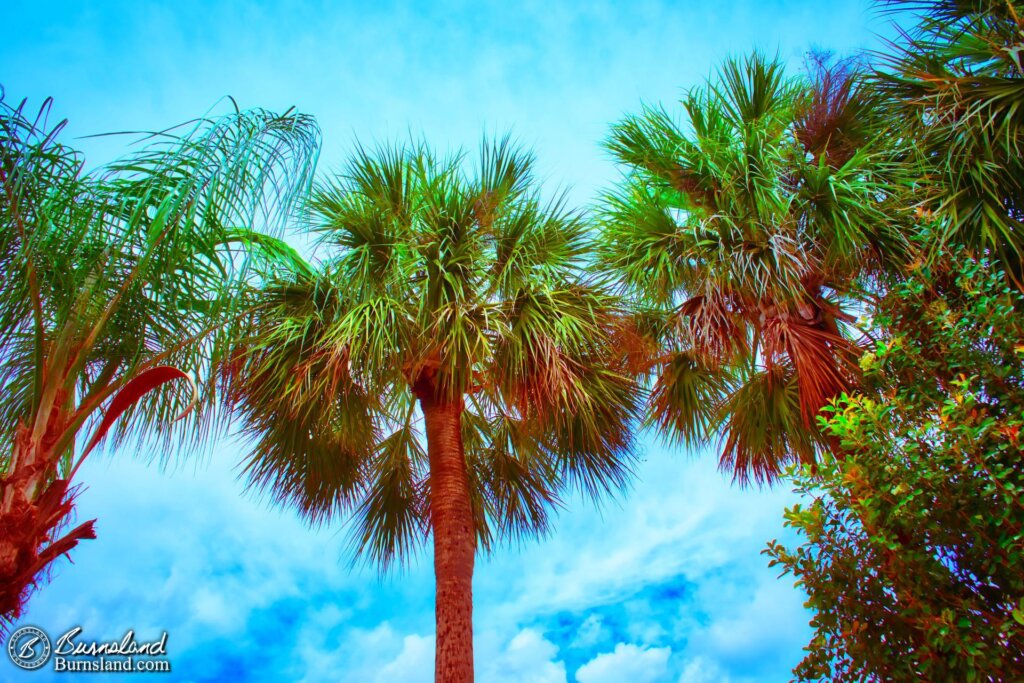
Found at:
<point>464,284</point>
<point>956,83</point>
<point>740,231</point>
<point>113,272</point>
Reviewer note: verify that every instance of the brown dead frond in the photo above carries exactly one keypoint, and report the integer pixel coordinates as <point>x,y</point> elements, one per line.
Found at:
<point>817,356</point>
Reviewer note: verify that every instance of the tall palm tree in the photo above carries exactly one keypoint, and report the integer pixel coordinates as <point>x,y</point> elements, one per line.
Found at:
<point>956,84</point>
<point>461,293</point>
<point>117,282</point>
<point>741,234</point>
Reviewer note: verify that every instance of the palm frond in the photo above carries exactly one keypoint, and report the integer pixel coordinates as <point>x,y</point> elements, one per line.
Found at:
<point>955,83</point>
<point>392,520</point>
<point>686,398</point>
<point>519,482</point>
<point>762,428</point>
<point>816,356</point>
<point>122,280</point>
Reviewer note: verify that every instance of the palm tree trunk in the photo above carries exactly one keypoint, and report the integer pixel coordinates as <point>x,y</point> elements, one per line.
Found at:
<point>451,515</point>
<point>31,512</point>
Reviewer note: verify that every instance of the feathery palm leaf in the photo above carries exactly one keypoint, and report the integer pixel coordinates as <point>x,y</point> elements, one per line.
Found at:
<point>121,280</point>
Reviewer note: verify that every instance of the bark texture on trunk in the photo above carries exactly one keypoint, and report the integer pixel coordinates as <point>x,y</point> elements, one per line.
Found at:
<point>31,512</point>
<point>451,515</point>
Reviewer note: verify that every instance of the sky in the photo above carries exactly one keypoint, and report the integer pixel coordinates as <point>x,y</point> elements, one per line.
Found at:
<point>664,584</point>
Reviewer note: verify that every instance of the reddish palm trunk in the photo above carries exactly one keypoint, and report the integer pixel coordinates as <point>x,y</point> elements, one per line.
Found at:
<point>30,512</point>
<point>454,540</point>
<point>35,503</point>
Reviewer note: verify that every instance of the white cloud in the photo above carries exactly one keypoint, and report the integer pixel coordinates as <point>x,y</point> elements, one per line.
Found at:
<point>627,663</point>
<point>682,520</point>
<point>702,670</point>
<point>414,664</point>
<point>757,624</point>
<point>591,632</point>
<point>322,649</point>
<point>527,658</point>
<point>211,610</point>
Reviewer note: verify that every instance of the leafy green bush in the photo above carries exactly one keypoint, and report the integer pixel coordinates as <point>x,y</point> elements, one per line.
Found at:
<point>914,552</point>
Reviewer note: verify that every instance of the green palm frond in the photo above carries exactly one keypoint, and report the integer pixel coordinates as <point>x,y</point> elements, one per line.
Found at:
<point>643,243</point>
<point>504,175</point>
<point>754,94</point>
<point>762,428</point>
<point>307,454</point>
<point>650,141</point>
<point>686,397</point>
<point>135,264</point>
<point>125,287</point>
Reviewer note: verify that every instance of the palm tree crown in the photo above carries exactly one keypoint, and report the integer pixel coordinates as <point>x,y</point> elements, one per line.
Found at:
<point>740,232</point>
<point>463,293</point>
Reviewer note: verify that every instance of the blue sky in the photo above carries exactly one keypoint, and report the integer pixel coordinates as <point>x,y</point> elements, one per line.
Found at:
<point>665,584</point>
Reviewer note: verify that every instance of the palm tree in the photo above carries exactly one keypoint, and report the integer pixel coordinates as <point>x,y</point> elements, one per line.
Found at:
<point>116,283</point>
<point>462,293</point>
<point>956,83</point>
<point>741,236</point>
